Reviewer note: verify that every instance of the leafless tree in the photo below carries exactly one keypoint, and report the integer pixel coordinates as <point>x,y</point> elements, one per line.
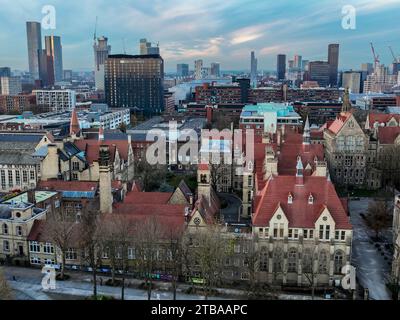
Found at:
<point>309,257</point>
<point>5,290</point>
<point>175,251</point>
<point>90,241</point>
<point>389,163</point>
<point>378,216</point>
<point>207,255</point>
<point>151,177</point>
<point>216,174</point>
<point>148,237</point>
<point>252,260</point>
<point>60,230</point>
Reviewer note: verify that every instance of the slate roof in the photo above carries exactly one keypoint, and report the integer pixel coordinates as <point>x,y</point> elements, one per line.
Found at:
<point>300,213</point>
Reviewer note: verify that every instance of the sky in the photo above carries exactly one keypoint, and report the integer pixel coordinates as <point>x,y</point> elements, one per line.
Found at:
<point>222,31</point>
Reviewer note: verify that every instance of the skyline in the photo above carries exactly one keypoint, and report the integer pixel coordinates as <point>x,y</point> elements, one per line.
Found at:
<point>190,31</point>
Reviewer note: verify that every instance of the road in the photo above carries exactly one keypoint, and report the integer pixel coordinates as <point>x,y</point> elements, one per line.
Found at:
<point>371,265</point>
<point>27,286</point>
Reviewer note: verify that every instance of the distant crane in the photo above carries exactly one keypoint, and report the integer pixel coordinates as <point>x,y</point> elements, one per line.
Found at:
<point>376,57</point>
<point>395,60</point>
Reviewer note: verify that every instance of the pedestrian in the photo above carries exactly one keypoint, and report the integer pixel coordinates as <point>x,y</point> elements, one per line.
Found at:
<point>101,281</point>
<point>14,278</point>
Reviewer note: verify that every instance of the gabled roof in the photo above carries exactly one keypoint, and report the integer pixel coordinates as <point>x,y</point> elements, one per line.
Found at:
<point>91,147</point>
<point>381,118</point>
<point>340,120</point>
<point>300,213</point>
<point>388,135</point>
<point>147,197</point>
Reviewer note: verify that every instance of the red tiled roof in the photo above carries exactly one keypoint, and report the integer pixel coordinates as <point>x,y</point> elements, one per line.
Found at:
<point>300,214</point>
<point>387,135</point>
<point>91,147</point>
<point>61,185</point>
<point>171,216</point>
<point>381,118</point>
<point>147,197</point>
<point>336,125</point>
<point>36,230</point>
<point>203,166</point>
<point>287,158</point>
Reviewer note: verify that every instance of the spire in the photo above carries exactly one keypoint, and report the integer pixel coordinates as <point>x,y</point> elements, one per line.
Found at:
<point>299,167</point>
<point>74,125</point>
<point>306,133</point>
<point>346,105</point>
<point>299,172</point>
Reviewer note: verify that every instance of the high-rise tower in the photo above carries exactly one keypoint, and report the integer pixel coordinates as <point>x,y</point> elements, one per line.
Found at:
<point>34,37</point>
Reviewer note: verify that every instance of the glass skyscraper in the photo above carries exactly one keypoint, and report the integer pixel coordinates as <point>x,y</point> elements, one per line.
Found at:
<point>34,37</point>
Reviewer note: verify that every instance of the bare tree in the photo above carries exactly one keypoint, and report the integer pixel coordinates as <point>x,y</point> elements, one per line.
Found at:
<point>90,241</point>
<point>151,177</point>
<point>216,174</point>
<point>174,254</point>
<point>252,260</point>
<point>5,290</point>
<point>389,163</point>
<point>60,231</point>
<point>308,267</point>
<point>207,255</point>
<point>148,237</point>
<point>378,216</point>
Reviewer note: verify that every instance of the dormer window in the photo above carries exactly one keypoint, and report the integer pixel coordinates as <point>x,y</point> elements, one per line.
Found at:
<point>290,198</point>
<point>310,199</point>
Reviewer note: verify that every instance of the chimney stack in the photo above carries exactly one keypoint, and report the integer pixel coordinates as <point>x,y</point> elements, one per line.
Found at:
<point>106,197</point>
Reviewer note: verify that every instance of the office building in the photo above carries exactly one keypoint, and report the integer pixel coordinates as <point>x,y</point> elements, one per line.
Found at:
<point>367,67</point>
<point>34,37</point>
<point>304,65</point>
<point>333,61</point>
<point>56,100</point>
<point>281,66</point>
<point>67,75</point>
<point>101,52</point>
<point>298,62</point>
<point>320,71</point>
<point>380,80</point>
<point>54,50</point>
<point>352,81</point>
<point>253,69</point>
<point>215,69</point>
<point>182,70</point>
<point>198,65</point>
<point>146,48</point>
<point>5,72</point>
<point>46,69</point>
<point>10,85</point>
<point>135,82</point>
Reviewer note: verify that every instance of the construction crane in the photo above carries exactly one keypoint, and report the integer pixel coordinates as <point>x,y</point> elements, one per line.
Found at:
<point>395,60</point>
<point>95,30</point>
<point>376,57</point>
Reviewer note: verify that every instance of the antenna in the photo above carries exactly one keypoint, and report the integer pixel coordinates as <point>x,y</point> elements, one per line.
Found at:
<point>123,45</point>
<point>95,30</point>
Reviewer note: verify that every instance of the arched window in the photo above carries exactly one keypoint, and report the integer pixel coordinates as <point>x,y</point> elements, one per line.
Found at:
<point>264,259</point>
<point>338,261</point>
<point>307,261</point>
<point>278,259</point>
<point>323,262</point>
<point>5,228</point>
<point>292,260</point>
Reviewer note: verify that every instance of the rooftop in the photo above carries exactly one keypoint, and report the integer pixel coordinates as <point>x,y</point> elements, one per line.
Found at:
<point>281,109</point>
<point>39,196</point>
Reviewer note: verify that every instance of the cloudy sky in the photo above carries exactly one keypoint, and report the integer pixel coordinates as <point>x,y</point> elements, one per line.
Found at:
<point>215,30</point>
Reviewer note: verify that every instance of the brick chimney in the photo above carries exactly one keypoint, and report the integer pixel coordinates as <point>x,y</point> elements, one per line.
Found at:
<point>31,196</point>
<point>106,197</point>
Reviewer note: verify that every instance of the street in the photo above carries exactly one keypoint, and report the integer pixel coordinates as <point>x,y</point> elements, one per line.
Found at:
<point>28,287</point>
<point>372,264</point>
